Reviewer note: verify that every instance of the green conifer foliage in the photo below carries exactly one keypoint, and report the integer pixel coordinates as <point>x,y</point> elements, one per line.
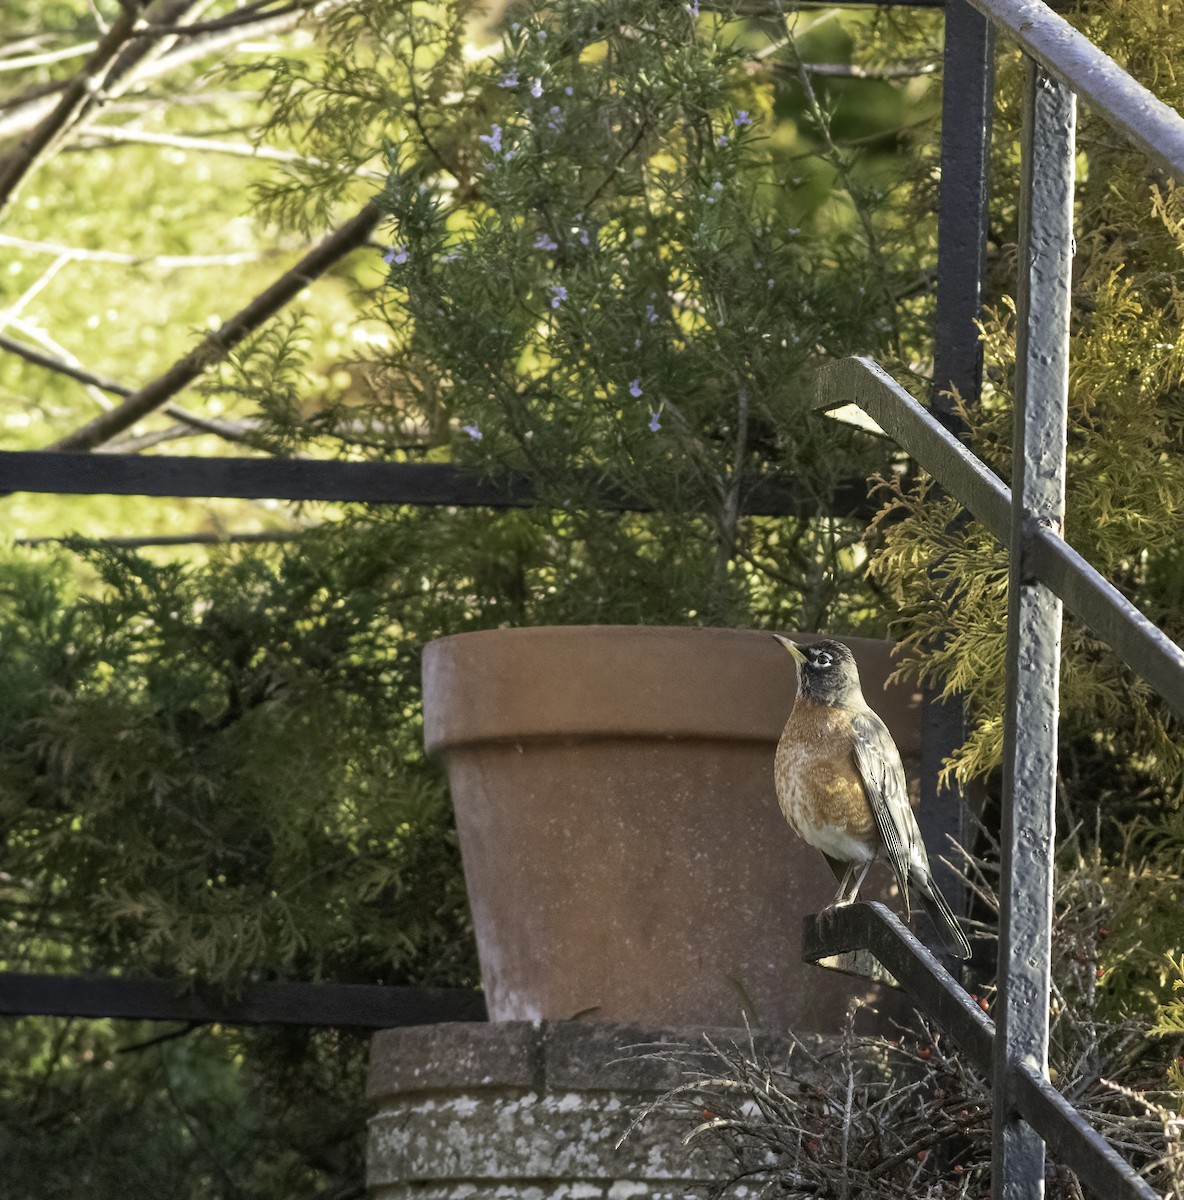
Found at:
<point>604,273</point>
<point>620,234</point>
<point>1122,758</point>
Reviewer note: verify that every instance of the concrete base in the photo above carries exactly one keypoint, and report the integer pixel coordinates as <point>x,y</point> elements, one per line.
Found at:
<point>534,1111</point>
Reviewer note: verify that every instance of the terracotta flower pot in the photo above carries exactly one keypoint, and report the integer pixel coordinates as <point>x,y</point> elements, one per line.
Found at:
<point>623,849</point>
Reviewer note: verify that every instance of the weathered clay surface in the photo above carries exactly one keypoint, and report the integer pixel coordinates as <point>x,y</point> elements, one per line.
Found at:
<point>623,848</point>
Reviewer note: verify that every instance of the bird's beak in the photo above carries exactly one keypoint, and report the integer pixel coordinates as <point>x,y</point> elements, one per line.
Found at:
<point>792,647</point>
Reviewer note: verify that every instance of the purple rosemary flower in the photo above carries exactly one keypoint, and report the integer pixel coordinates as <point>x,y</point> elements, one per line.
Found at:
<point>654,424</point>
<point>509,79</point>
<point>493,139</point>
<point>473,431</point>
<point>742,118</point>
<point>395,256</point>
<point>634,388</point>
<point>558,294</point>
<point>545,242</point>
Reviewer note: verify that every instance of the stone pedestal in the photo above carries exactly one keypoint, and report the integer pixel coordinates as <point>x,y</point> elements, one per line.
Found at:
<point>535,1111</point>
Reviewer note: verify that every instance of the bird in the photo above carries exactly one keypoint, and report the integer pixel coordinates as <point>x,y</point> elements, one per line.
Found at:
<point>841,784</point>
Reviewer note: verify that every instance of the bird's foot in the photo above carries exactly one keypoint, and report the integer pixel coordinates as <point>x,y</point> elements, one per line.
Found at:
<point>829,914</point>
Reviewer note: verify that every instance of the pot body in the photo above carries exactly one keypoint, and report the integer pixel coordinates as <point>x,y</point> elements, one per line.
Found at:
<point>624,852</point>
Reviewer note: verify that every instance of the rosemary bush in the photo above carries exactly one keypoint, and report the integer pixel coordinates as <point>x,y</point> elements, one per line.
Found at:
<point>620,234</point>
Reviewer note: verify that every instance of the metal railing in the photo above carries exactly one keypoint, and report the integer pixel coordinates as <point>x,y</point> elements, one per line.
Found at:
<point>1030,1114</point>
<point>1043,572</point>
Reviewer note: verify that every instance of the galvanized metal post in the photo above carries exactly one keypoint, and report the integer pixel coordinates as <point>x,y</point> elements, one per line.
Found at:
<point>966,109</point>
<point>1033,624</point>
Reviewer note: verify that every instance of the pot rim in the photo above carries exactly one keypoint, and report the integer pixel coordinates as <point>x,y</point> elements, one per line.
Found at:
<point>668,682</point>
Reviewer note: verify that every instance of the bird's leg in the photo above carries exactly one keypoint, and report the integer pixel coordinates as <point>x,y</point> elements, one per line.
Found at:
<point>841,895</point>
<point>848,891</point>
<point>854,893</point>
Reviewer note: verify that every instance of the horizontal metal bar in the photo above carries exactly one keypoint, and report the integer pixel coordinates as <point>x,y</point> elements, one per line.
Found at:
<point>343,1005</point>
<point>202,538</point>
<point>1070,1137</point>
<point>1127,105</point>
<point>1137,640</point>
<point>860,381</point>
<point>1074,1142</point>
<point>1089,596</point>
<point>425,484</point>
<point>872,926</point>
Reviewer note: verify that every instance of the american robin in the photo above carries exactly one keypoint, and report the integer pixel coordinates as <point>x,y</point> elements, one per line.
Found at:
<point>842,788</point>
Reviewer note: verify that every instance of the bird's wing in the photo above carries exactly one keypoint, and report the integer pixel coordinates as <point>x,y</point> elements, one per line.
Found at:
<point>879,765</point>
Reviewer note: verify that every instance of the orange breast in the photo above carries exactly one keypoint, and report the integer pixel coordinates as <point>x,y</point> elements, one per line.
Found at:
<point>818,784</point>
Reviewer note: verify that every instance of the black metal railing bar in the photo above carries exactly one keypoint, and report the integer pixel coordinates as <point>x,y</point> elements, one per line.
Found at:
<point>340,1005</point>
<point>963,216</point>
<point>1137,640</point>
<point>934,991</point>
<point>421,484</point>
<point>1028,1112</point>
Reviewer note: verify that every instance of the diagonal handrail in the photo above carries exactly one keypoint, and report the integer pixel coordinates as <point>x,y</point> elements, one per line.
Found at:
<point>1043,572</point>
<point>933,989</point>
<point>1046,37</point>
<point>1137,640</point>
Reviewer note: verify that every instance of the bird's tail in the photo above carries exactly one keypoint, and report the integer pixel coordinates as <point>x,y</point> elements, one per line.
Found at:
<point>943,918</point>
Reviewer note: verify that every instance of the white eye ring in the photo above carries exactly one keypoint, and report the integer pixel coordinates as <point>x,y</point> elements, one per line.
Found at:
<point>822,658</point>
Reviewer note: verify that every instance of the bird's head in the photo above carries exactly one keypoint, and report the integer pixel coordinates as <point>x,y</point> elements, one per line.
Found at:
<point>827,673</point>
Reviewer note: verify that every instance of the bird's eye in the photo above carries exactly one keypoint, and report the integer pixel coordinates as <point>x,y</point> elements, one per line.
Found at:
<point>822,658</point>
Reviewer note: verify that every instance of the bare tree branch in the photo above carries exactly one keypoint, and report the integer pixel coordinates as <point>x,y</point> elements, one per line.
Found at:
<point>190,424</point>
<point>215,346</point>
<point>119,51</point>
<point>247,15</point>
<point>164,261</point>
<point>64,357</point>
<point>24,62</point>
<point>33,42</point>
<point>33,100</point>
<point>246,432</point>
<point>14,310</point>
<point>51,362</point>
<point>144,48</point>
<point>28,107</point>
<point>123,133</point>
<point>855,71</point>
<point>34,149</point>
